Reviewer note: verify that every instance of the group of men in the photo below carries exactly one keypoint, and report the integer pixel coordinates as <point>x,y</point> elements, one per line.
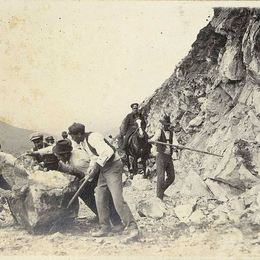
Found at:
<point>89,156</point>
<point>92,157</point>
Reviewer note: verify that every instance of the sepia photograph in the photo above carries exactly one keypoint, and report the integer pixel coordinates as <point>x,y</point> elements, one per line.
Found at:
<point>129,129</point>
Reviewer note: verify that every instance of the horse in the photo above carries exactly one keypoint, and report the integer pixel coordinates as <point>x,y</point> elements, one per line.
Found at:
<point>138,147</point>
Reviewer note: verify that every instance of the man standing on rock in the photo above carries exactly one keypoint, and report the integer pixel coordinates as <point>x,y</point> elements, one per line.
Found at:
<point>108,165</point>
<point>164,161</point>
<point>129,126</point>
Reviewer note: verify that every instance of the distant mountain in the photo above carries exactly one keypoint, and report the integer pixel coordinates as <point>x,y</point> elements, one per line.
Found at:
<point>14,140</point>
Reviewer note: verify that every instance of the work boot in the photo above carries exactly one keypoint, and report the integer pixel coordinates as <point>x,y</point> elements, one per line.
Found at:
<point>117,228</point>
<point>102,232</point>
<point>132,233</point>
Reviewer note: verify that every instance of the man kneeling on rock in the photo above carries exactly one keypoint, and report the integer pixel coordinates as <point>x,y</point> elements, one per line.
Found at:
<point>108,165</point>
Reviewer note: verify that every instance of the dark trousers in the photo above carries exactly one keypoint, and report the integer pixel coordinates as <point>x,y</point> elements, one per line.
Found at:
<point>88,196</point>
<point>164,164</point>
<point>4,184</point>
<point>110,182</point>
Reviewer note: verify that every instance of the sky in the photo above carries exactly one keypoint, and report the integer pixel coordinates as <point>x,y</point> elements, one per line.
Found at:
<point>87,61</point>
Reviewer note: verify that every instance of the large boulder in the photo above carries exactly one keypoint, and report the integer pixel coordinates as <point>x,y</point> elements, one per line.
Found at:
<point>42,203</point>
<point>40,197</point>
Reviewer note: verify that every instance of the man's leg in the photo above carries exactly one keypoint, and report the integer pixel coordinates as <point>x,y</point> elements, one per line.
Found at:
<point>114,217</point>
<point>4,184</point>
<point>160,170</point>
<point>102,202</point>
<point>113,176</point>
<point>170,173</point>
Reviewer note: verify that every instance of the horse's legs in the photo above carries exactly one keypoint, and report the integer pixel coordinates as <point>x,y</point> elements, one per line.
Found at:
<point>128,164</point>
<point>144,168</point>
<point>135,166</point>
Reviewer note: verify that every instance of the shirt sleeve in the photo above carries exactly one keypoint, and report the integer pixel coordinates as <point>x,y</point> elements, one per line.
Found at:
<point>103,149</point>
<point>45,150</point>
<point>156,136</point>
<point>7,158</point>
<point>174,140</point>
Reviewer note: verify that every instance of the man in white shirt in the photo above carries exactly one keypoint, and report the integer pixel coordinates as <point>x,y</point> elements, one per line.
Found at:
<point>76,162</point>
<point>108,165</point>
<point>5,159</point>
<point>164,156</point>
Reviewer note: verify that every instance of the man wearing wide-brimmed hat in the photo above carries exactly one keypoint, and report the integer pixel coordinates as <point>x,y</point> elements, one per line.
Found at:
<point>164,161</point>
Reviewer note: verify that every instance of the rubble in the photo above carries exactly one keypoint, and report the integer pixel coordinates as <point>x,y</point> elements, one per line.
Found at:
<point>222,116</point>
<point>153,208</point>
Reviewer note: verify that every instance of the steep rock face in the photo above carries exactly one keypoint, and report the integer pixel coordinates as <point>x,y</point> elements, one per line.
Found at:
<point>213,98</point>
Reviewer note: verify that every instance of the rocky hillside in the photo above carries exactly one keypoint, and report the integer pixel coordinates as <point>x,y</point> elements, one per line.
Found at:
<point>213,98</point>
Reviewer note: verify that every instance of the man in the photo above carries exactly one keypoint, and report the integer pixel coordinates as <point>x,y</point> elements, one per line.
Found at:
<point>129,126</point>
<point>164,156</point>
<point>5,159</point>
<point>64,134</point>
<point>105,162</point>
<point>37,139</point>
<point>49,140</point>
<point>71,161</point>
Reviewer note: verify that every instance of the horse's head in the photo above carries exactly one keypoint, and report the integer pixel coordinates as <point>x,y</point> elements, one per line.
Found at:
<point>139,129</point>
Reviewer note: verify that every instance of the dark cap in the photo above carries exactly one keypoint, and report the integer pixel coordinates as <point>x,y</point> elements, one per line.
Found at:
<point>36,136</point>
<point>76,128</point>
<point>62,146</point>
<point>134,105</point>
<point>49,138</point>
<point>166,120</point>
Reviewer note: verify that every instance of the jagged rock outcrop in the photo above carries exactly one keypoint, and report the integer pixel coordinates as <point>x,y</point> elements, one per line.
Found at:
<point>213,98</point>
<point>39,199</point>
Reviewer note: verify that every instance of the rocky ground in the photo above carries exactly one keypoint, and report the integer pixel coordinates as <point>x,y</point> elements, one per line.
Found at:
<point>177,227</point>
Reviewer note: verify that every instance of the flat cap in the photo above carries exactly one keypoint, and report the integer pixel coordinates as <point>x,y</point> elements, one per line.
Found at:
<point>36,136</point>
<point>50,137</point>
<point>76,128</point>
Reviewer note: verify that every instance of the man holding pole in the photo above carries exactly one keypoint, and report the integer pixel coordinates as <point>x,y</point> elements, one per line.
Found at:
<point>164,161</point>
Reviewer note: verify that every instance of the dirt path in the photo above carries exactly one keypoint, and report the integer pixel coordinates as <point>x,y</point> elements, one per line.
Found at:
<point>162,237</point>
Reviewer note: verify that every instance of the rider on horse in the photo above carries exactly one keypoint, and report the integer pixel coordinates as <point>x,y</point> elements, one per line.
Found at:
<point>129,126</point>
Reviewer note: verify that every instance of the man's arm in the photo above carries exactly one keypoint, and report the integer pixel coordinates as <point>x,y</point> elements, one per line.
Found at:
<point>70,170</point>
<point>7,158</point>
